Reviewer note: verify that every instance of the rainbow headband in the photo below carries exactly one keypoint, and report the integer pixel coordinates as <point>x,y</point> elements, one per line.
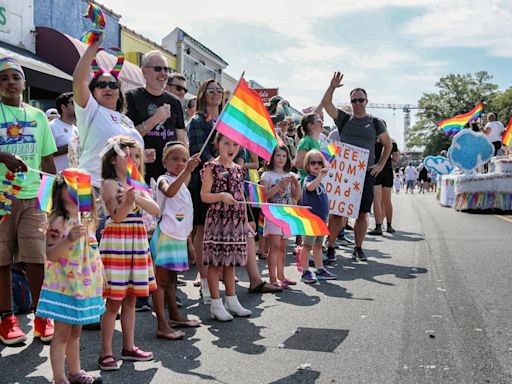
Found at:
<point>9,63</point>
<point>116,70</point>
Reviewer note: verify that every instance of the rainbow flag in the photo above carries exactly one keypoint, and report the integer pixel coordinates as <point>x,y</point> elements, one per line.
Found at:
<point>245,120</point>
<point>261,223</point>
<point>256,193</point>
<point>295,220</point>
<point>330,151</point>
<point>96,15</point>
<point>507,135</point>
<point>453,125</point>
<point>92,36</point>
<point>79,187</point>
<point>44,194</point>
<point>135,179</point>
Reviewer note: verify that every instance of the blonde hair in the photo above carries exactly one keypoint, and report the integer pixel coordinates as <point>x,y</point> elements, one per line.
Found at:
<point>314,153</point>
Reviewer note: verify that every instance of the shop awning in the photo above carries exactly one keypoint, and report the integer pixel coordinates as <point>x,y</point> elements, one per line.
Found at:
<point>38,73</point>
<point>64,51</point>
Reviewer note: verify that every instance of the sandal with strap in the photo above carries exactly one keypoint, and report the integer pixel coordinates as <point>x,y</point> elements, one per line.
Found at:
<point>108,363</point>
<point>136,354</point>
<point>84,378</point>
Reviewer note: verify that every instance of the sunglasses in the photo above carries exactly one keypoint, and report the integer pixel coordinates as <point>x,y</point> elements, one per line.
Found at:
<point>211,91</point>
<point>179,88</point>
<point>360,100</point>
<point>291,129</point>
<point>158,68</point>
<point>105,84</point>
<point>313,162</point>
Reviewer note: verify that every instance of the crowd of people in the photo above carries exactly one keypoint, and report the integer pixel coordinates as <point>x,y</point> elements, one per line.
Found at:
<point>87,268</point>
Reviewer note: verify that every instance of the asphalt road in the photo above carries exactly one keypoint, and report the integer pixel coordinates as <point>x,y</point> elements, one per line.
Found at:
<point>432,305</point>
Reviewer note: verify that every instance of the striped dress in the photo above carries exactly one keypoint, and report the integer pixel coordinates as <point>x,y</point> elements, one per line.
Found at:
<point>73,285</point>
<point>124,250</point>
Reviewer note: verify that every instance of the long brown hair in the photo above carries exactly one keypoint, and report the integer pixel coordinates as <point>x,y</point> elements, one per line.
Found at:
<point>108,170</point>
<point>201,96</point>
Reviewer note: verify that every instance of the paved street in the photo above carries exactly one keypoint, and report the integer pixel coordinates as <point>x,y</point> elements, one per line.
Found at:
<point>432,305</point>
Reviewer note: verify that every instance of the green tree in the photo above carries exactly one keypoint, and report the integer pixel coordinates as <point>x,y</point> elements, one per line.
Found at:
<point>457,94</point>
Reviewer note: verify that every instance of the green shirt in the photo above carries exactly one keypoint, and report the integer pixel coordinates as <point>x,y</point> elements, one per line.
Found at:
<point>25,132</point>
<point>307,143</point>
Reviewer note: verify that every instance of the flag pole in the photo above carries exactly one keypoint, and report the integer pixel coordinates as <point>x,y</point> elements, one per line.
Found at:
<point>41,172</point>
<point>214,127</point>
<point>274,204</point>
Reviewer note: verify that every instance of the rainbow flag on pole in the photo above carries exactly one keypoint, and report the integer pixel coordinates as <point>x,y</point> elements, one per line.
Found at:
<point>246,121</point>
<point>330,151</point>
<point>453,125</point>
<point>256,193</point>
<point>79,187</point>
<point>295,220</point>
<point>507,135</point>
<point>96,15</point>
<point>44,194</point>
<point>135,179</point>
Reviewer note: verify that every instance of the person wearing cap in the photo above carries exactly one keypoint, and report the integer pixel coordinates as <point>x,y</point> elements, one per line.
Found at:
<point>26,144</point>
<point>64,129</point>
<point>52,114</point>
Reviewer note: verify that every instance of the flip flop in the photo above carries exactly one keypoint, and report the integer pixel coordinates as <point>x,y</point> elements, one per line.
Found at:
<point>265,287</point>
<point>176,335</point>
<point>184,324</point>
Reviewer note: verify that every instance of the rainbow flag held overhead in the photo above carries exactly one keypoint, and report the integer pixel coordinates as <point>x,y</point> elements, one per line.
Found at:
<point>135,179</point>
<point>246,121</point>
<point>295,221</point>
<point>256,193</point>
<point>96,15</point>
<point>453,125</point>
<point>507,135</point>
<point>44,194</point>
<point>330,151</point>
<point>79,187</point>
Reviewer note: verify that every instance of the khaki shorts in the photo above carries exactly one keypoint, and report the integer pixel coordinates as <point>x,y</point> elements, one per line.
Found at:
<point>22,235</point>
<point>312,240</point>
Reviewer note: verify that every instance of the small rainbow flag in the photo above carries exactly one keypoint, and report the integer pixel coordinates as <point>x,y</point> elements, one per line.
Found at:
<point>135,179</point>
<point>44,194</point>
<point>295,220</point>
<point>453,125</point>
<point>256,193</point>
<point>507,135</point>
<point>246,121</point>
<point>261,223</point>
<point>96,15</point>
<point>79,187</point>
<point>330,151</point>
<point>92,36</point>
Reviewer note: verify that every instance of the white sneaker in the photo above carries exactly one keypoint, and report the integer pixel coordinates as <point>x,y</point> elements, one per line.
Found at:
<point>233,306</point>
<point>205,291</point>
<point>218,311</point>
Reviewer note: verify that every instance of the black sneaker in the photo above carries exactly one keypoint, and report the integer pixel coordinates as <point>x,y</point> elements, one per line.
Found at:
<point>348,227</point>
<point>331,255</point>
<point>142,304</point>
<point>358,254</point>
<point>390,229</point>
<point>376,232</point>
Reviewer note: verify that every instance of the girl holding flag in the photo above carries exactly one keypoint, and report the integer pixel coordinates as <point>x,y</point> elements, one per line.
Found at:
<point>124,246</point>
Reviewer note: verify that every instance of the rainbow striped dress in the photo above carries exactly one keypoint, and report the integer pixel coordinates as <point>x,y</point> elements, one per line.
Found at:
<point>124,250</point>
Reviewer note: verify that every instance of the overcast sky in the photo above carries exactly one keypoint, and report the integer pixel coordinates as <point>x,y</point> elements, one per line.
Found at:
<point>395,49</point>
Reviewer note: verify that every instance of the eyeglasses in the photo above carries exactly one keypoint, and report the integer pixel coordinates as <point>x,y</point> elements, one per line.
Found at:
<point>313,162</point>
<point>105,84</point>
<point>158,68</point>
<point>360,100</point>
<point>179,88</point>
<point>291,129</point>
<point>211,91</point>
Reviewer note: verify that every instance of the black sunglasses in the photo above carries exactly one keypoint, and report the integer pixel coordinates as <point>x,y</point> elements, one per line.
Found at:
<point>313,162</point>
<point>360,100</point>
<point>158,68</point>
<point>179,88</point>
<point>105,84</point>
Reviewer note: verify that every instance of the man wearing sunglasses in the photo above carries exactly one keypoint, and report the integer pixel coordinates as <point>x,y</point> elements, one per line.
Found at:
<point>361,130</point>
<point>157,114</point>
<point>177,85</point>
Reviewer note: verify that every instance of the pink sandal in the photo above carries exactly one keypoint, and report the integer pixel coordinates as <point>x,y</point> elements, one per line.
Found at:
<point>287,281</point>
<point>110,365</point>
<point>136,354</point>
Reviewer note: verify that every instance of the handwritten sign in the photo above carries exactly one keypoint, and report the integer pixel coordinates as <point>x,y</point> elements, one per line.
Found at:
<point>345,180</point>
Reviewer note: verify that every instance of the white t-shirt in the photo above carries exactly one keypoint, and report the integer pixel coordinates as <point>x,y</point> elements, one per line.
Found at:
<point>177,212</point>
<point>272,178</point>
<point>62,133</point>
<point>496,130</point>
<point>97,124</point>
<point>410,173</point>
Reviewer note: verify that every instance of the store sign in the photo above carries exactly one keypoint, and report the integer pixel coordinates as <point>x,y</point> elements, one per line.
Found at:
<point>267,93</point>
<point>4,26</point>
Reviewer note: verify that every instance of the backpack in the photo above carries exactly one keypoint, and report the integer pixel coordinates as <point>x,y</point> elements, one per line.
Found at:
<point>347,117</point>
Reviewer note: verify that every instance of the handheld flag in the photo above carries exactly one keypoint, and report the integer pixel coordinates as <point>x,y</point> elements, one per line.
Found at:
<point>453,125</point>
<point>44,194</point>
<point>330,151</point>
<point>96,15</point>
<point>135,179</point>
<point>79,187</point>
<point>256,193</point>
<point>295,221</point>
<point>246,121</point>
<point>507,135</point>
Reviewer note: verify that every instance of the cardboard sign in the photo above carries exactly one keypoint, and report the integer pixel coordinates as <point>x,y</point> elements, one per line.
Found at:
<point>345,180</point>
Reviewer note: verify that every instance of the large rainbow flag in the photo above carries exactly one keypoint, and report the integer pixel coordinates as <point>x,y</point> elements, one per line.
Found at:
<point>79,187</point>
<point>453,125</point>
<point>295,220</point>
<point>246,121</point>
<point>506,138</point>
<point>135,179</point>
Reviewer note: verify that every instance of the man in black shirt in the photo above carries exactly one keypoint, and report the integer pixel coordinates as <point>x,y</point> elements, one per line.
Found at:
<point>157,114</point>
